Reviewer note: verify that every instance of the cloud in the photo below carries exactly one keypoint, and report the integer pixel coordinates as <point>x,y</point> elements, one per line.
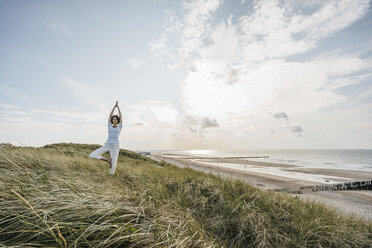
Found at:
<point>149,123</point>
<point>70,124</point>
<point>294,128</point>
<point>151,112</point>
<point>281,115</point>
<point>189,65</point>
<point>241,68</point>
<point>8,106</point>
<point>135,63</point>
<point>275,31</point>
<point>230,75</point>
<point>192,129</point>
<point>184,63</point>
<point>270,86</point>
<point>14,93</point>
<point>196,25</point>
<point>347,80</point>
<point>58,27</point>
<point>187,28</point>
<point>207,123</point>
<point>190,120</point>
<point>84,93</point>
<point>37,126</point>
<point>365,94</point>
<point>198,124</point>
<point>52,114</point>
<point>158,47</point>
<point>253,87</point>
<point>297,130</point>
<point>244,72</point>
<point>330,18</point>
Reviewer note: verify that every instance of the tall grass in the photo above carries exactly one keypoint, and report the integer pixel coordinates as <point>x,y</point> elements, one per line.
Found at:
<point>57,196</point>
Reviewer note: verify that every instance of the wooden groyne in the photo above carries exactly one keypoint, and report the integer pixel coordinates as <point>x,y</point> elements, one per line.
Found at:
<point>359,185</point>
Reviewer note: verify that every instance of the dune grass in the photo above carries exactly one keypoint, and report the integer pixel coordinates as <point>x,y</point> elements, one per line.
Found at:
<point>57,196</point>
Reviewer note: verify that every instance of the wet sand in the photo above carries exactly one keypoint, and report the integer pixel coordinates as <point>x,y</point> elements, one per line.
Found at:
<point>358,203</point>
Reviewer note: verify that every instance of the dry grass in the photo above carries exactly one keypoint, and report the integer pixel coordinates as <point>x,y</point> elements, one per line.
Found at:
<point>58,196</point>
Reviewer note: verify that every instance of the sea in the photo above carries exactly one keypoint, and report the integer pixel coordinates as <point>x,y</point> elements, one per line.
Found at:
<point>348,159</point>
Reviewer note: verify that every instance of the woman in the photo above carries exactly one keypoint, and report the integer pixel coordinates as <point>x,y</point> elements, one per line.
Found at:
<point>112,143</point>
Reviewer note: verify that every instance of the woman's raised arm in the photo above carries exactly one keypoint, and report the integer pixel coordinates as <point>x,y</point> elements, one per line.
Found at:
<point>119,113</point>
<point>112,111</point>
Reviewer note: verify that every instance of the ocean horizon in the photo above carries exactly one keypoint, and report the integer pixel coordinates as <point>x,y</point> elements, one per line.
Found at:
<point>348,159</point>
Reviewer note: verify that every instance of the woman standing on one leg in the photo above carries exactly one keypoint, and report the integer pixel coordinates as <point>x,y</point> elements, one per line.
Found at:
<point>112,143</point>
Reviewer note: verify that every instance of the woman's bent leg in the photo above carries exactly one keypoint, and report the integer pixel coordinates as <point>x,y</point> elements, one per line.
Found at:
<point>97,153</point>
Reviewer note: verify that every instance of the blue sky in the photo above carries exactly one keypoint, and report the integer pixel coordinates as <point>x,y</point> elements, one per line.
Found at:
<point>206,74</point>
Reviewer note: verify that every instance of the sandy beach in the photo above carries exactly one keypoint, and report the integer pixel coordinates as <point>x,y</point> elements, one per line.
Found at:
<point>275,176</point>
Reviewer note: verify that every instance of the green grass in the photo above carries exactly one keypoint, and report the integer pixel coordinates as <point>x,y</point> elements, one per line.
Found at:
<point>57,196</point>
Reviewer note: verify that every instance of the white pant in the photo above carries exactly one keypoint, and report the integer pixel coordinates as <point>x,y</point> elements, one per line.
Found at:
<point>113,148</point>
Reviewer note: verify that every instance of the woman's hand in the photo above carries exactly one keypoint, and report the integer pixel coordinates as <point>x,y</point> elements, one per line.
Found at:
<point>116,104</point>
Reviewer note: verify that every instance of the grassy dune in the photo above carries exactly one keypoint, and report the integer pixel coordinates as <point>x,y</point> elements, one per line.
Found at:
<point>57,196</point>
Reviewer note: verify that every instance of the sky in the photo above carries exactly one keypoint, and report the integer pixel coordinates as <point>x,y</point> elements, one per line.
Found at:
<point>192,74</point>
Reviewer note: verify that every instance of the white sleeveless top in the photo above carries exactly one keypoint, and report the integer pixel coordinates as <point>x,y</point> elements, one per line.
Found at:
<point>113,133</point>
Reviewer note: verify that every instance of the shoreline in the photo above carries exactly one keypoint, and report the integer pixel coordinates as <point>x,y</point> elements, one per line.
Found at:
<point>354,202</point>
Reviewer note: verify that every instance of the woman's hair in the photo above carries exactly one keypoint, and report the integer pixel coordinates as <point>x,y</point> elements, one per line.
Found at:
<point>117,117</point>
